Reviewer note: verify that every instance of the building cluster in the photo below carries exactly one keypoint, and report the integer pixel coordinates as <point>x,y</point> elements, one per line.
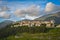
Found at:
<point>31,23</point>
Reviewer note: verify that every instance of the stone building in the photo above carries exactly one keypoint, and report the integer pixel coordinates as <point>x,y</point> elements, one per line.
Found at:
<point>31,23</point>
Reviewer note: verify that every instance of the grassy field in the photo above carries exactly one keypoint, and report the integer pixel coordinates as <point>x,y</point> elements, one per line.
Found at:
<point>53,34</point>
<point>30,33</point>
<point>36,36</point>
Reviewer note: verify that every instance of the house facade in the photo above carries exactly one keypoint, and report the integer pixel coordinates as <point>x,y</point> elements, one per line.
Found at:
<point>31,23</point>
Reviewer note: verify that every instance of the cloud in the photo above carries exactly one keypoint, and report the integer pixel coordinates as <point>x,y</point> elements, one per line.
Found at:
<point>4,15</point>
<point>50,7</point>
<point>20,13</point>
<point>4,12</point>
<point>32,10</point>
<point>4,8</point>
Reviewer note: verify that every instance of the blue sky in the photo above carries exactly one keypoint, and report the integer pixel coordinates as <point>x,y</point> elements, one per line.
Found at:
<point>30,9</point>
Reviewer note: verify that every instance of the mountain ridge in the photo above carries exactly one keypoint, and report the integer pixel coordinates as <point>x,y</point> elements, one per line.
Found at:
<point>54,16</point>
<point>5,23</point>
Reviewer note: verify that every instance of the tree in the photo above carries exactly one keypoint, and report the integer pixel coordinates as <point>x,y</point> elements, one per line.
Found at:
<point>43,28</point>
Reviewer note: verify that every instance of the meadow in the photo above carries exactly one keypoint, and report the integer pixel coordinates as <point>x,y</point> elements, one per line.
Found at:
<point>29,33</point>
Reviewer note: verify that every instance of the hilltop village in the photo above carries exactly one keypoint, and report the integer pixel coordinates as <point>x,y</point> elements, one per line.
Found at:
<point>31,23</point>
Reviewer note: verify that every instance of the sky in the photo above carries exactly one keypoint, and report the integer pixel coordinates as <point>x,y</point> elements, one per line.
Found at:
<point>17,10</point>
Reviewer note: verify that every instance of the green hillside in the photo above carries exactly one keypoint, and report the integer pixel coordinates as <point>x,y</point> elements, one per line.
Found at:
<point>29,33</point>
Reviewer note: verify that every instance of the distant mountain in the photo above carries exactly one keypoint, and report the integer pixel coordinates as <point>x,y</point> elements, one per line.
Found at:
<point>5,23</point>
<point>54,16</point>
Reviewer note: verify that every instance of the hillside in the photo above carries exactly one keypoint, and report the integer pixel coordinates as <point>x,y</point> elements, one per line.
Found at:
<point>54,16</point>
<point>5,23</point>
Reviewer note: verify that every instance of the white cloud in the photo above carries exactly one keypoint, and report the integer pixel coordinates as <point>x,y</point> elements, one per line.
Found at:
<point>4,15</point>
<point>4,8</point>
<point>32,10</point>
<point>20,13</point>
<point>30,17</point>
<point>50,7</point>
<point>4,12</point>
